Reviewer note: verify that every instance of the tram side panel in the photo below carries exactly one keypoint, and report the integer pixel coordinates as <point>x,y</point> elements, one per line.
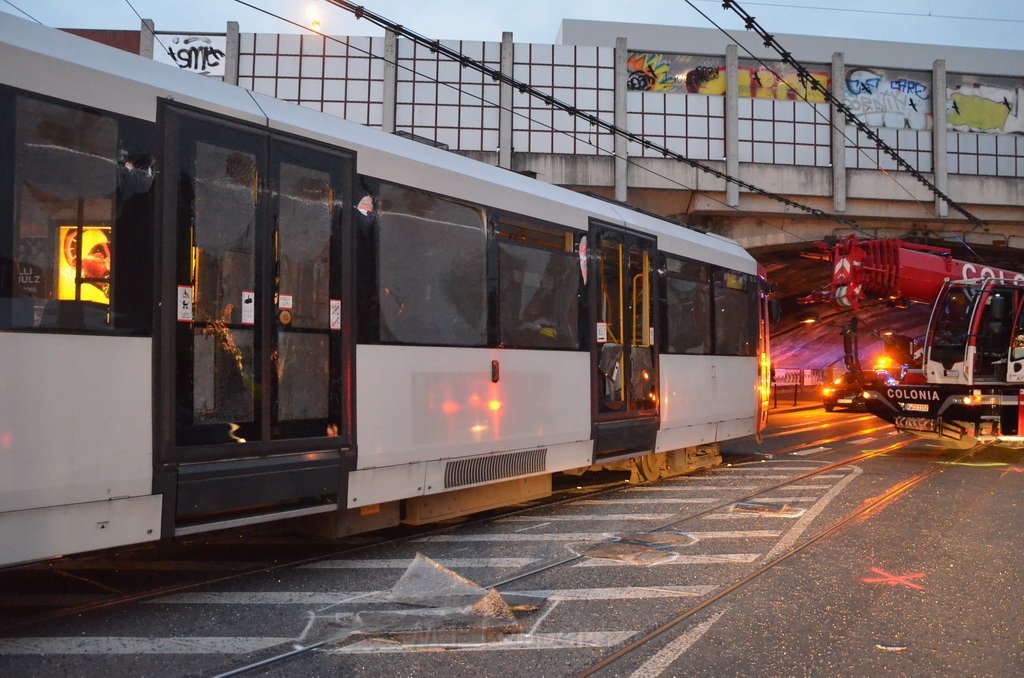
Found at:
<point>420,408</point>
<point>75,444</point>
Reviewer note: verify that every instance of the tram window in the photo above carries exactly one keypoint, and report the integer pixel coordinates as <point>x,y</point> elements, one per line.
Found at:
<point>79,245</point>
<point>306,211</point>
<point>224,255</point>
<point>735,296</point>
<point>431,269</point>
<point>687,307</point>
<point>538,286</point>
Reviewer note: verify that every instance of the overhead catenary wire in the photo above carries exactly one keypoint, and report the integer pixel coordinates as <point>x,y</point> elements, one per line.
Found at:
<point>800,93</point>
<point>806,79</point>
<point>155,36</point>
<point>437,46</point>
<point>879,12</point>
<point>795,236</point>
<point>19,9</point>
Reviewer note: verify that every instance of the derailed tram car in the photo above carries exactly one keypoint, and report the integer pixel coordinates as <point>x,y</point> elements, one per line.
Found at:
<point>971,388</point>
<point>218,308</point>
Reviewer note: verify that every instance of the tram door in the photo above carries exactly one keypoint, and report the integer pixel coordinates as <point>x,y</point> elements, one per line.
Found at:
<point>624,356</point>
<point>256,354</point>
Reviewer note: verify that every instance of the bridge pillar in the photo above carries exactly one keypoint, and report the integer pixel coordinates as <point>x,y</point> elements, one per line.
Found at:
<point>939,133</point>
<point>838,133</point>
<point>732,124</point>
<point>146,35</point>
<point>231,47</point>
<point>505,103</point>
<point>390,96</point>
<point>621,148</point>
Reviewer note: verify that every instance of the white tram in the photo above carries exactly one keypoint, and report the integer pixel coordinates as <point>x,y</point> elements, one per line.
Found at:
<point>218,308</point>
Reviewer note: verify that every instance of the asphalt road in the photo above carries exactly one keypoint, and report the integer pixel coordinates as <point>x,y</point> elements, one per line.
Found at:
<point>783,562</point>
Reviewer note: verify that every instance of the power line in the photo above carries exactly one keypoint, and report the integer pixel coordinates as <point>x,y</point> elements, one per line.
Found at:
<point>525,88</point>
<point>805,78</point>
<point>551,127</point>
<point>800,93</point>
<point>155,36</point>
<point>853,10</point>
<point>23,12</point>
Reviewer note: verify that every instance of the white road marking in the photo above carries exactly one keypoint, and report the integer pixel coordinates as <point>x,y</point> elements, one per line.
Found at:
<point>800,453</point>
<point>79,645</point>
<point>533,527</point>
<point>769,476</point>
<point>766,467</point>
<point>319,598</point>
<point>862,441</point>
<point>805,520</point>
<point>657,664</point>
<point>737,516</point>
<point>515,641</point>
<point>584,536</point>
<point>403,563</point>
<point>678,559</point>
<point>652,500</point>
<point>589,516</point>
<point>72,564</point>
<point>678,488</point>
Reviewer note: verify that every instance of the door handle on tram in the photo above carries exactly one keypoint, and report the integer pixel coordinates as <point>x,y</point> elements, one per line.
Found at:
<point>495,371</point>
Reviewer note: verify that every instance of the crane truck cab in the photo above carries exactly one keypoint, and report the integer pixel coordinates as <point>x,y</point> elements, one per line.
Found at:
<point>973,368</point>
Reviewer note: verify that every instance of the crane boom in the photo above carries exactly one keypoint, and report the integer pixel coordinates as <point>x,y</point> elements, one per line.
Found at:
<point>895,270</point>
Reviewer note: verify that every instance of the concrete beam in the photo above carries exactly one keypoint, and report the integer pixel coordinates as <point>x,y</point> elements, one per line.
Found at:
<point>732,124</point>
<point>939,137</point>
<point>390,95</point>
<point>505,103</point>
<point>621,165</point>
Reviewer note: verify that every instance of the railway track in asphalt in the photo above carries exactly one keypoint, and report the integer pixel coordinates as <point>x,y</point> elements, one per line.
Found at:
<point>610,662</point>
<point>107,596</point>
<point>118,598</point>
<point>274,650</point>
<point>750,500</point>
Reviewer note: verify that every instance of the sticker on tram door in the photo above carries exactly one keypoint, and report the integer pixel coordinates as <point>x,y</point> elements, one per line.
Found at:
<point>184,304</point>
<point>915,424</point>
<point>248,307</point>
<point>335,314</point>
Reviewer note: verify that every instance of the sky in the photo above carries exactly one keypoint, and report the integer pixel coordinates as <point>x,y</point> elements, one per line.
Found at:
<point>973,23</point>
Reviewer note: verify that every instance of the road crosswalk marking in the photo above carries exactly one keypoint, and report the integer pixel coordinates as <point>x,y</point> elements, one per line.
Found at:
<point>315,598</point>
<point>130,645</point>
<point>589,517</point>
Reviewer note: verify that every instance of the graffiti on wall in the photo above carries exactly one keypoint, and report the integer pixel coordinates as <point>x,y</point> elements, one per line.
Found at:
<point>671,73</point>
<point>203,54</point>
<point>650,72</point>
<point>777,83</point>
<point>985,108</point>
<point>888,100</point>
<point>881,98</point>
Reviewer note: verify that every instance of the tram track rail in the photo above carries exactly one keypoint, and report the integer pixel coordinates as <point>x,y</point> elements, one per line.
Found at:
<point>298,651</point>
<point>567,496</point>
<point>117,598</point>
<point>562,497</point>
<point>858,514</point>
